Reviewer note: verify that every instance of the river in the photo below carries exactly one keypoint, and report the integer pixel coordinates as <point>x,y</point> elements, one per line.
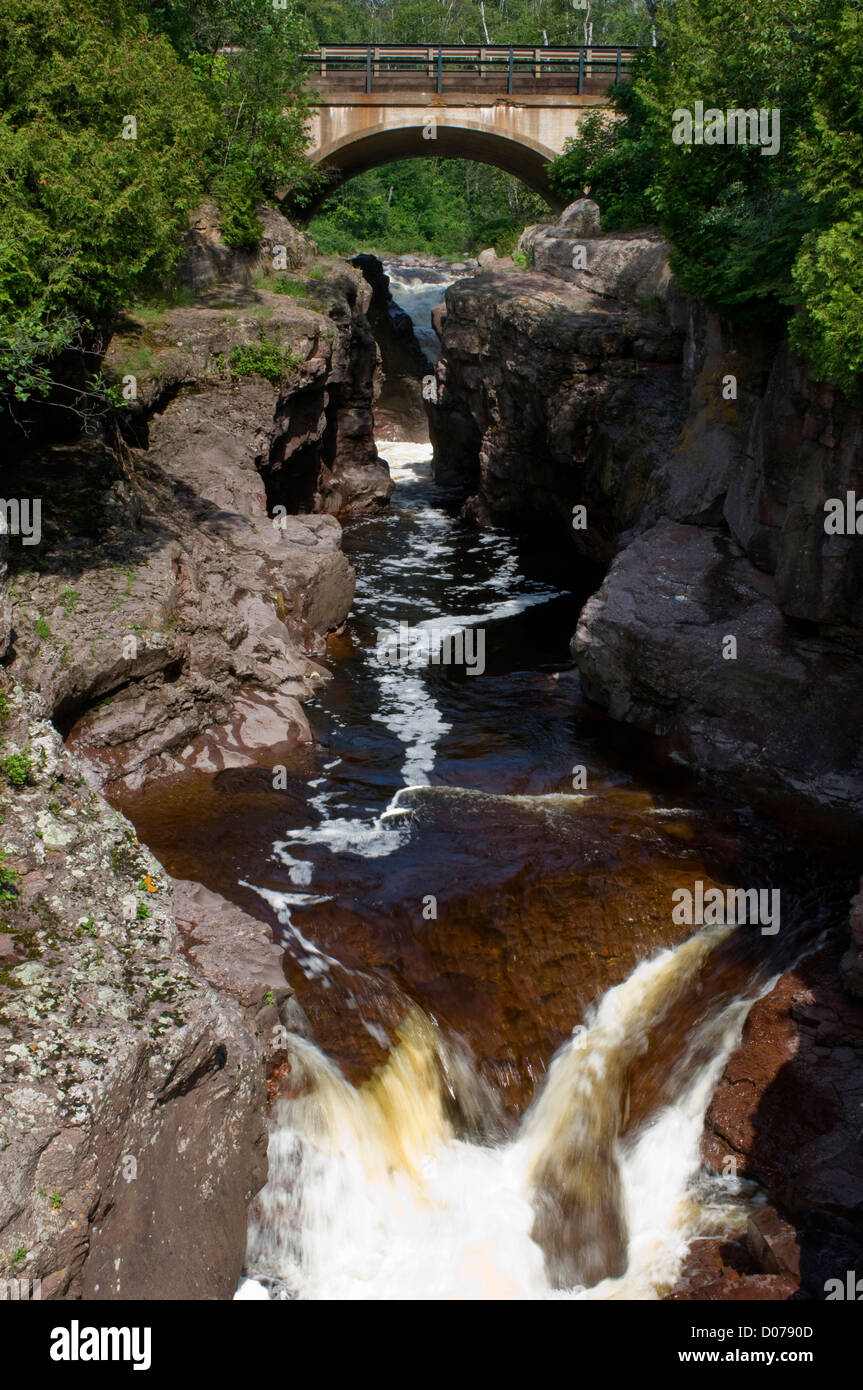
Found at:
<point>472,874</point>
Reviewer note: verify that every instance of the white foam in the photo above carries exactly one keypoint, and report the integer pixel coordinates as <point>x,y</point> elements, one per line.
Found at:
<point>372,1196</point>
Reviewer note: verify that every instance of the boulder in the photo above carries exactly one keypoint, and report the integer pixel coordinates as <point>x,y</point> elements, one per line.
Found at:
<point>208,259</point>
<point>580,219</point>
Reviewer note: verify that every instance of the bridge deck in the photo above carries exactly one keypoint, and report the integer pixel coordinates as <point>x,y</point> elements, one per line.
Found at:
<point>341,72</point>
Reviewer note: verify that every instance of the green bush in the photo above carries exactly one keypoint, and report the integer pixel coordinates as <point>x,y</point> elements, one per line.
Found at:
<point>88,218</point>
<point>266,359</point>
<point>8,881</point>
<point>755,237</point>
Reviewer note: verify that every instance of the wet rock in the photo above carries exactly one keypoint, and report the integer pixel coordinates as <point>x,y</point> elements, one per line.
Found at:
<point>852,961</point>
<point>787,1112</point>
<point>132,1099</point>
<point>237,955</point>
<point>650,646</point>
<point>748,1288</point>
<point>772,1243</point>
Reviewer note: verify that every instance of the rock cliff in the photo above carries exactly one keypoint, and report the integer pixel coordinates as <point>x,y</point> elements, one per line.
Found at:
<point>685,463</point>
<point>587,401</point>
<point>188,570</point>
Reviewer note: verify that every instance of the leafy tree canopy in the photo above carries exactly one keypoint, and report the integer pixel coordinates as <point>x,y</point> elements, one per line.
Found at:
<point>755,236</point>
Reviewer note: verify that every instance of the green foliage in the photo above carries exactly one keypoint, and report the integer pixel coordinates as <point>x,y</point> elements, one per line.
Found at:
<point>18,767</point>
<point>266,359</point>
<point>295,288</point>
<point>460,21</point>
<point>755,236</point>
<point>828,272</point>
<point>90,219</point>
<point>257,90</point>
<point>87,217</point>
<point>616,157</point>
<point>8,881</point>
<point>444,207</point>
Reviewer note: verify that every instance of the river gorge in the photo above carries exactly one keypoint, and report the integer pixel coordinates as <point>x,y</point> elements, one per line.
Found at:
<point>428,910</point>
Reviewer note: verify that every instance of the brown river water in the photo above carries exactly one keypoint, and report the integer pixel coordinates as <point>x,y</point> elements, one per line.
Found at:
<point>514,1043</point>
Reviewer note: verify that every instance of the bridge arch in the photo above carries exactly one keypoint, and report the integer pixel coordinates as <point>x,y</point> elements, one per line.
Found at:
<point>415,134</point>
<point>514,108</point>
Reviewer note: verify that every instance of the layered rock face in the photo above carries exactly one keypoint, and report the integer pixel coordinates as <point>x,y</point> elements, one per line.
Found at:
<point>653,648</point>
<point>169,619</point>
<point>728,621</point>
<point>131,1090</point>
<point>403,361</point>
<point>589,383</point>
<point>184,583</point>
<point>551,395</point>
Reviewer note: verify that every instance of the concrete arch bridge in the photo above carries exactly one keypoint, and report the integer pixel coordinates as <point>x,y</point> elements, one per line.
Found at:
<point>510,107</point>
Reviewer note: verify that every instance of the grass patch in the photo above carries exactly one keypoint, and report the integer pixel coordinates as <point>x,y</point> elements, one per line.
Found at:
<point>136,361</point>
<point>8,881</point>
<point>266,359</point>
<point>69,598</point>
<point>151,310</point>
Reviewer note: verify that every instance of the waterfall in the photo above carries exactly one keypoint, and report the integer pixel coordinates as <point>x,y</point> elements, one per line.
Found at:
<point>408,1187</point>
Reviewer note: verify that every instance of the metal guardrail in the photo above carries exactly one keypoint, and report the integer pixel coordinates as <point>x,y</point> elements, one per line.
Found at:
<point>376,61</point>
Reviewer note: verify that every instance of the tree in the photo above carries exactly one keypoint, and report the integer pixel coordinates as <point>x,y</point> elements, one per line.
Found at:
<point>103,136</point>
<point>828,272</point>
<point>751,235</point>
<point>246,56</point>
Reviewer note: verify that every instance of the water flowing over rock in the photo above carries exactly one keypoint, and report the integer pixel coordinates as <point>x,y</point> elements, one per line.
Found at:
<point>727,622</point>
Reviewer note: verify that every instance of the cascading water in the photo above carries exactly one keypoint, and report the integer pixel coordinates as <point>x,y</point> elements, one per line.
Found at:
<point>515,1044</point>
<point>379,1192</point>
<point>411,1184</point>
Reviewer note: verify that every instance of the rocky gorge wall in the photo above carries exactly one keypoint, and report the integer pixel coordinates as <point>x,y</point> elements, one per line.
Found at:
<point>701,456</point>
<point>188,571</point>
<point>683,464</point>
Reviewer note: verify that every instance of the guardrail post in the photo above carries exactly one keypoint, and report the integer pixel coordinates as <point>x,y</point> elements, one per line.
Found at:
<point>580,71</point>
<point>440,69</point>
<point>619,63</point>
<point>509,74</point>
<point>323,62</point>
<point>369,68</point>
